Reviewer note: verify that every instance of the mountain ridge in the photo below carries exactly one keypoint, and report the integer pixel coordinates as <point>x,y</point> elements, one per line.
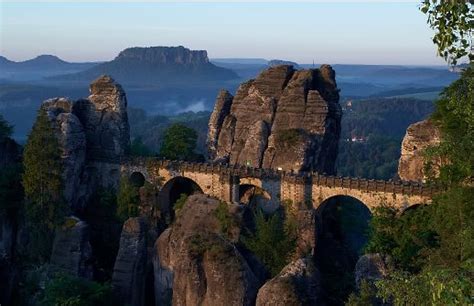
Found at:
<point>151,65</point>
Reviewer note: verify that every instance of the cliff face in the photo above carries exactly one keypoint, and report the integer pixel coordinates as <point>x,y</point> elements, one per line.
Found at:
<point>94,135</point>
<point>283,119</point>
<point>195,264</point>
<point>419,136</point>
<point>165,55</point>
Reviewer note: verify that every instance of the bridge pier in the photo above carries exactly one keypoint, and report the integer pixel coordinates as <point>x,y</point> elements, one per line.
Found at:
<point>234,189</point>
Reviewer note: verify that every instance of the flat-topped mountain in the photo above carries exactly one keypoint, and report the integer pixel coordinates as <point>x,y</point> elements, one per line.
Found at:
<point>153,65</point>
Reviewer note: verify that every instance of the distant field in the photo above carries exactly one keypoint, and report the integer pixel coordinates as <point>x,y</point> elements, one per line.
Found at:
<point>427,96</point>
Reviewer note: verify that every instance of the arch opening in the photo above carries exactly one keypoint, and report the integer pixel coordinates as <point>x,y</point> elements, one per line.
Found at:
<point>342,228</point>
<point>255,196</point>
<point>172,191</point>
<point>137,179</point>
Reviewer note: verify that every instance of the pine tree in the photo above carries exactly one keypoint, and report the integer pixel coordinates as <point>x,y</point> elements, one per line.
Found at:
<point>42,182</point>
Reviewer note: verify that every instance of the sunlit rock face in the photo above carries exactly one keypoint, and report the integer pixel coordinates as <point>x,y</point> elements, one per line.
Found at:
<point>419,136</point>
<point>297,284</point>
<point>285,118</point>
<point>93,135</point>
<point>195,264</point>
<point>104,116</point>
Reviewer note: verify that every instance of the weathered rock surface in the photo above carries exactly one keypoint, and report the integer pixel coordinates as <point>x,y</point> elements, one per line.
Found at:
<point>72,140</point>
<point>105,121</point>
<point>194,259</point>
<point>306,229</point>
<point>297,284</point>
<point>72,252</point>
<point>283,119</point>
<point>419,136</point>
<point>128,279</point>
<point>221,110</point>
<point>370,268</point>
<point>94,135</point>
<point>278,62</point>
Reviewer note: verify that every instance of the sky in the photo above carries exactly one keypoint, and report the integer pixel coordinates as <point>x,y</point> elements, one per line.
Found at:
<point>335,32</point>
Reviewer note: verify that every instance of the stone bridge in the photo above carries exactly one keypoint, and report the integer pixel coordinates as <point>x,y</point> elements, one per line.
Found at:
<point>231,183</point>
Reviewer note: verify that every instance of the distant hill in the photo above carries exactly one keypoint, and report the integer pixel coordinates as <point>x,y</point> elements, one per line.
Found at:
<point>244,61</point>
<point>38,68</point>
<point>157,65</point>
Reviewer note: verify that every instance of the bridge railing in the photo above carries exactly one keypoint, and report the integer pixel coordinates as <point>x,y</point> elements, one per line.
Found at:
<point>322,179</point>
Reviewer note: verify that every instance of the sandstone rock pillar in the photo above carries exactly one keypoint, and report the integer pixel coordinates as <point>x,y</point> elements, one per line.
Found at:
<point>128,279</point>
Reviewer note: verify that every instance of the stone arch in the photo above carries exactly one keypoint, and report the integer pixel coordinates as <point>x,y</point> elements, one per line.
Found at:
<point>137,179</point>
<point>411,208</point>
<point>342,223</point>
<point>172,190</point>
<point>249,193</point>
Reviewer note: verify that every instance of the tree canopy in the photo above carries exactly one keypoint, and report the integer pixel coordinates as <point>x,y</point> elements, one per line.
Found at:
<point>43,184</point>
<point>453,22</point>
<point>179,143</point>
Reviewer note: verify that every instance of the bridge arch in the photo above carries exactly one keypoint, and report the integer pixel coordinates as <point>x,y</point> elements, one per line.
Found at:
<point>263,193</point>
<point>172,190</point>
<point>342,227</point>
<point>254,196</point>
<point>137,179</point>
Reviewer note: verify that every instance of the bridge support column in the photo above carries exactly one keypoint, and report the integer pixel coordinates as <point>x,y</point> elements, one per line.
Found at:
<point>234,189</point>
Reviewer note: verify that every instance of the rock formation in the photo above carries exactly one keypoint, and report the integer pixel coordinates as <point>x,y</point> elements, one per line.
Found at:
<point>94,135</point>
<point>105,121</point>
<point>194,259</point>
<point>297,284</point>
<point>419,136</point>
<point>285,118</point>
<point>128,279</point>
<point>277,62</point>
<point>72,251</point>
<point>370,268</point>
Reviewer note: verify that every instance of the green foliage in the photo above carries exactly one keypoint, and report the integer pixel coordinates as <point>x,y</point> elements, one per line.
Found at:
<point>289,138</point>
<point>454,114</point>
<point>365,296</point>
<point>179,143</point>
<point>151,128</point>
<point>6,129</point>
<point>224,217</point>
<point>128,199</point>
<point>67,290</point>
<point>381,123</point>
<point>271,243</point>
<point>42,178</point>
<point>43,185</point>
<point>403,236</point>
<point>430,287</point>
<point>138,148</point>
<point>453,22</point>
<point>452,219</point>
<point>179,204</point>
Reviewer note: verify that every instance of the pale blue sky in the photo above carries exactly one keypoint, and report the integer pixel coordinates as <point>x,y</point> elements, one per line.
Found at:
<point>351,33</point>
